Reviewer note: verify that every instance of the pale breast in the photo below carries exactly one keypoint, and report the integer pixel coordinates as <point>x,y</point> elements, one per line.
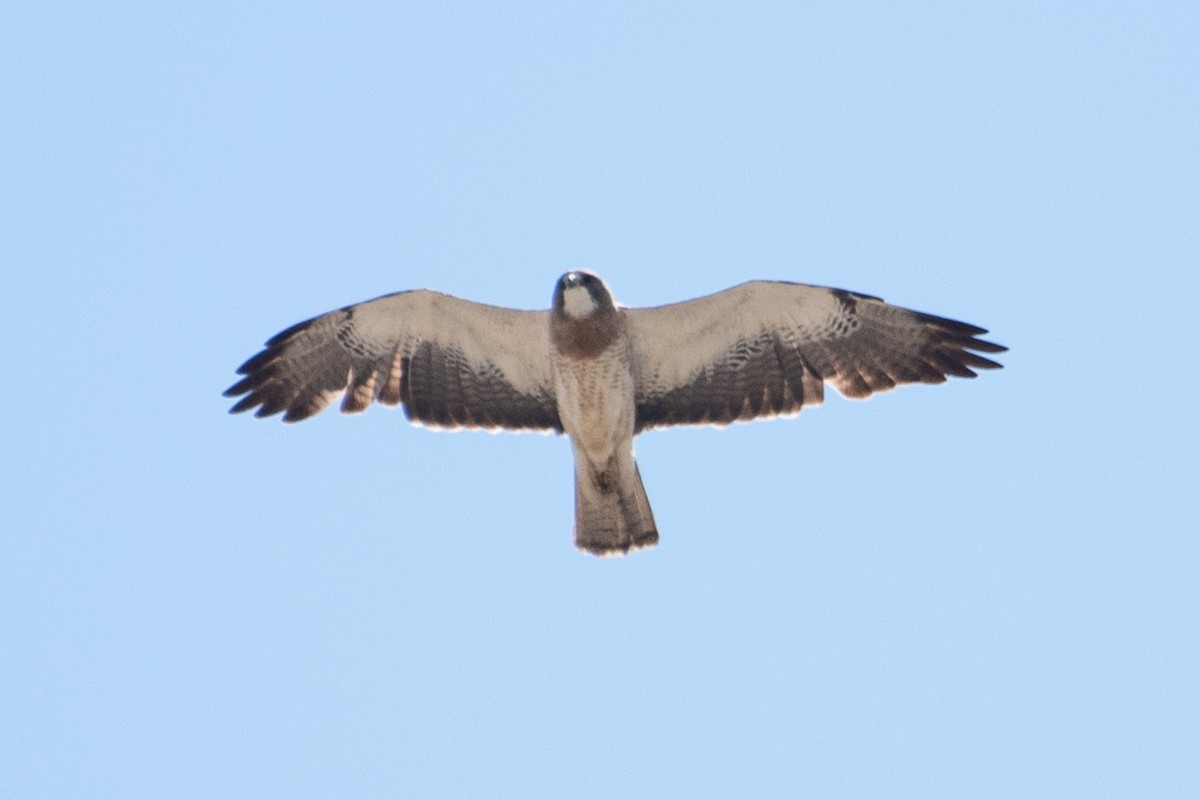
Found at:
<point>595,400</point>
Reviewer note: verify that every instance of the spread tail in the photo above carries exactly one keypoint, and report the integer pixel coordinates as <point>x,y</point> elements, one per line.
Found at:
<point>612,512</point>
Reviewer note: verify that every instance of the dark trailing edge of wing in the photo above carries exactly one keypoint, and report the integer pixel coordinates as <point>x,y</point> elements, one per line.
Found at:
<point>756,378</point>
<point>438,386</point>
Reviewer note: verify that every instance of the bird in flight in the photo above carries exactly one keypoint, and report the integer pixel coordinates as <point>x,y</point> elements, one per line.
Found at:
<point>602,373</point>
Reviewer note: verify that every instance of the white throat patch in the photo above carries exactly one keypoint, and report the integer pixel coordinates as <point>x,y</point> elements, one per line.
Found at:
<point>578,302</point>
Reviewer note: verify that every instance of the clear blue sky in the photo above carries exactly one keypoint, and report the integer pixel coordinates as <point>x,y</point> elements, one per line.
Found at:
<point>985,589</point>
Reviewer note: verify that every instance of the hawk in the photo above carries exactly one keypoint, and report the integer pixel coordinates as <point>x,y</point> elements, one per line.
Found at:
<point>602,373</point>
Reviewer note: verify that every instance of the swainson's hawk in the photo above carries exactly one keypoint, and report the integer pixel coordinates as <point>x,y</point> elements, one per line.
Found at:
<point>602,373</point>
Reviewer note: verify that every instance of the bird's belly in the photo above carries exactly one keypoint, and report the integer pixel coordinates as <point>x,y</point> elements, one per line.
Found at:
<point>595,404</point>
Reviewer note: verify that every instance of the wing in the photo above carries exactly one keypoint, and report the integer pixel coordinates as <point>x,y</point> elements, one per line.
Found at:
<point>766,348</point>
<point>451,363</point>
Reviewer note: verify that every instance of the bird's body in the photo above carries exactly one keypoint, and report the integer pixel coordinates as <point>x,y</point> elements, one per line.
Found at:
<point>595,391</point>
<point>601,373</point>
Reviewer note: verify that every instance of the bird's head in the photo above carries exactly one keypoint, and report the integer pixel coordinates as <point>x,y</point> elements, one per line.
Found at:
<point>579,294</point>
